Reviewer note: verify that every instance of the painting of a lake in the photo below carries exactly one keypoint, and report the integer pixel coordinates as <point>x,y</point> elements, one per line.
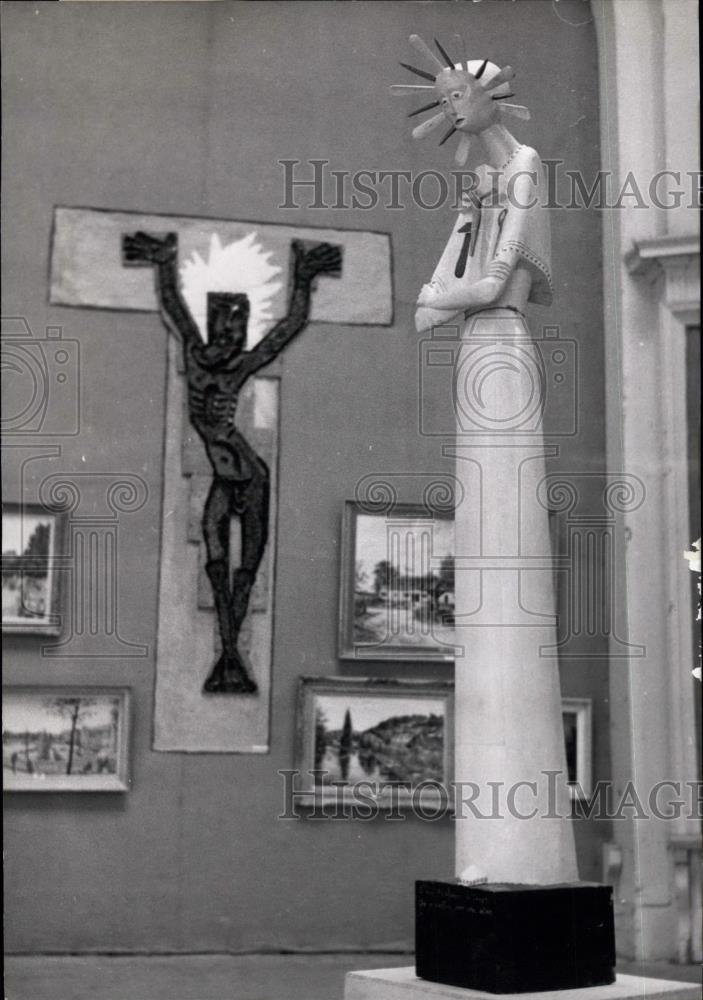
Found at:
<point>379,731</point>
<point>391,739</point>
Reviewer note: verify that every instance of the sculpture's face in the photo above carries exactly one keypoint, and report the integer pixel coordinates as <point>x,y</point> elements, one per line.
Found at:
<point>227,318</point>
<point>464,101</point>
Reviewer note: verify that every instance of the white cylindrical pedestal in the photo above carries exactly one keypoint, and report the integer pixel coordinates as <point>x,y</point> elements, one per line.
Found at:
<point>510,765</point>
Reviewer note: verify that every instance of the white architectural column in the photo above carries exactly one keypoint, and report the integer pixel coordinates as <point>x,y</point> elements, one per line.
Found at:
<point>649,95</point>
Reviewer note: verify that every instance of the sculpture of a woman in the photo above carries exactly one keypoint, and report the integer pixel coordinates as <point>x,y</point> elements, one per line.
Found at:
<point>508,731</point>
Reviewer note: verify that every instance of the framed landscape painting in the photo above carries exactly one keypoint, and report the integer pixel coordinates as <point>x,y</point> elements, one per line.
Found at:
<point>397,587</point>
<point>381,733</point>
<point>29,569</point>
<point>65,739</point>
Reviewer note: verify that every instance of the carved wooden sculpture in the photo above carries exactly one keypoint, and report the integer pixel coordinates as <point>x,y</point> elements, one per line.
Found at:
<point>216,372</point>
<point>497,259</point>
<point>508,728</point>
<point>498,253</point>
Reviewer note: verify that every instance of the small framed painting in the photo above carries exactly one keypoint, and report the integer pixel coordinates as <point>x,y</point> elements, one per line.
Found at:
<point>30,578</point>
<point>393,738</point>
<point>397,587</point>
<point>65,739</point>
<point>578,740</point>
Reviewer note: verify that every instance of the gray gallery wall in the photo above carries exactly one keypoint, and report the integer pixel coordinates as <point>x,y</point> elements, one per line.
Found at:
<point>187,108</point>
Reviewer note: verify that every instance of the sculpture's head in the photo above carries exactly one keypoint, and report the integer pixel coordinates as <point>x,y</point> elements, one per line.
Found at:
<point>468,94</point>
<point>465,103</point>
<point>227,318</point>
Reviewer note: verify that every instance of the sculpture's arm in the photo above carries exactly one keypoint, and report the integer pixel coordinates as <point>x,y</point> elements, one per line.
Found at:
<point>487,291</point>
<point>308,262</point>
<point>161,252</point>
<point>480,295</point>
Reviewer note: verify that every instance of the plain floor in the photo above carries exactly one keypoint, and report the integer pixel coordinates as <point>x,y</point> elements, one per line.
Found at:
<point>215,977</point>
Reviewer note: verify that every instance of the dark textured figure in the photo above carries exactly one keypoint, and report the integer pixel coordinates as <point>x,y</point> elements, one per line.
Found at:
<point>215,374</point>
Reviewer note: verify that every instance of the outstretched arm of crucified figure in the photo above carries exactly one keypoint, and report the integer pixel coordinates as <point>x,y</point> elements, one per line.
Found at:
<point>309,260</point>
<point>161,252</point>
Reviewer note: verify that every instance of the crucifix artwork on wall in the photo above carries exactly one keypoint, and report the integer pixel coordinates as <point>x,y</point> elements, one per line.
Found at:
<point>216,372</point>
<point>233,295</point>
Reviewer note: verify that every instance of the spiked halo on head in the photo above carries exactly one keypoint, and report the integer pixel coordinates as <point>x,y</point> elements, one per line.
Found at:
<point>469,94</point>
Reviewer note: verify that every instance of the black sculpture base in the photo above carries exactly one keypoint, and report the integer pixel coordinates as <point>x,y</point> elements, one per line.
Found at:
<point>505,938</point>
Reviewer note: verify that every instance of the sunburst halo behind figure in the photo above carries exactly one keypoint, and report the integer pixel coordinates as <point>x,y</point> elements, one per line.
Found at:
<point>242,266</point>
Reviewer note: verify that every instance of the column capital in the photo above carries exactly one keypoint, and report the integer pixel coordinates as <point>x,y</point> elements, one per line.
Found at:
<point>677,260</point>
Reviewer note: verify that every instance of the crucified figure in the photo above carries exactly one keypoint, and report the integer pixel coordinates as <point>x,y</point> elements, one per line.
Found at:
<point>215,374</point>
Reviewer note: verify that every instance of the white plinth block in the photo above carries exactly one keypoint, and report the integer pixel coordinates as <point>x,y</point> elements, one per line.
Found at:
<point>403,984</point>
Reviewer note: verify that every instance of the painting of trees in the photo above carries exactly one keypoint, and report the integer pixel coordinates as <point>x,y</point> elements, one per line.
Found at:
<point>38,544</point>
<point>26,562</point>
<point>345,745</point>
<point>65,738</point>
<point>385,576</point>
<point>445,580</point>
<point>398,583</point>
<point>320,737</point>
<point>373,731</point>
<point>75,710</point>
